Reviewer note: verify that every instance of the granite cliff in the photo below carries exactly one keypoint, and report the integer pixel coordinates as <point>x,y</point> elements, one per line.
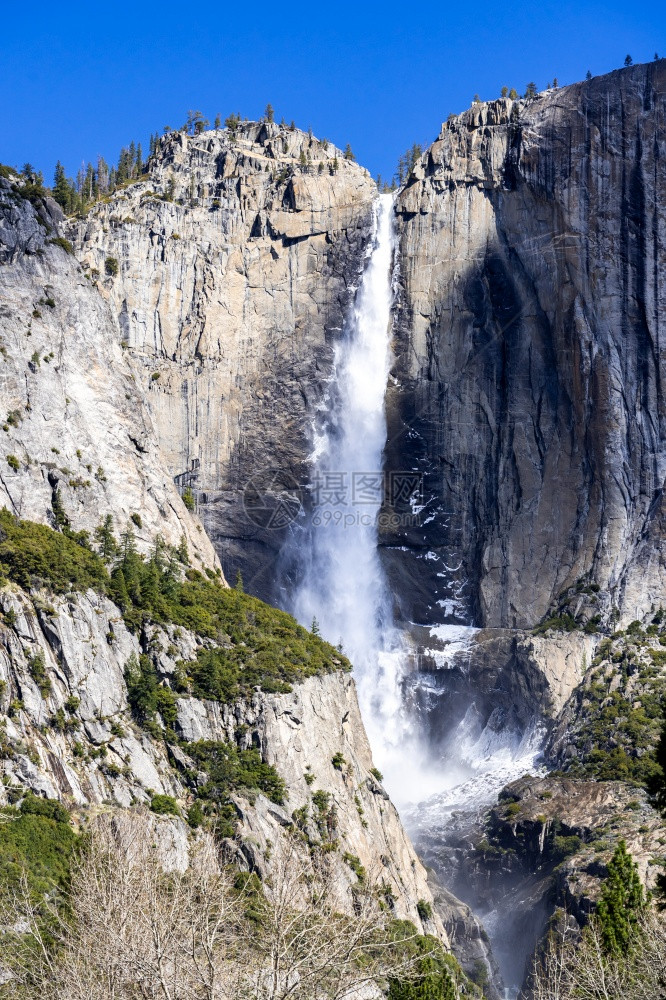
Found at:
<point>83,446</point>
<point>238,255</point>
<point>528,371</point>
<point>188,341</point>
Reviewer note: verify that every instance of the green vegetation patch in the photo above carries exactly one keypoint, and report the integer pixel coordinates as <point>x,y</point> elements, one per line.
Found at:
<point>33,555</point>
<point>258,646</point>
<point>226,769</point>
<point>229,769</point>
<point>36,839</point>
<point>164,805</point>
<point>614,732</point>
<point>438,975</point>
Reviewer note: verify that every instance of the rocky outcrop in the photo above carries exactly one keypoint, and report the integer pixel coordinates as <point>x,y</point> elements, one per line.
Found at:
<point>546,844</point>
<point>77,434</point>
<point>528,371</point>
<point>238,254</point>
<point>74,738</point>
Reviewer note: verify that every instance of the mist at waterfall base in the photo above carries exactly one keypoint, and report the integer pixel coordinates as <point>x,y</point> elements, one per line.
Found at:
<point>341,582</point>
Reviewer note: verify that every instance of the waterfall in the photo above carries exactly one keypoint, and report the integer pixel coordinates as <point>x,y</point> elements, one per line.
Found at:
<point>342,583</point>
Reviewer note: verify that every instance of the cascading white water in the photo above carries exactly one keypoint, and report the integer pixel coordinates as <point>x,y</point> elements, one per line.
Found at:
<point>343,584</point>
<point>341,578</point>
<point>341,581</point>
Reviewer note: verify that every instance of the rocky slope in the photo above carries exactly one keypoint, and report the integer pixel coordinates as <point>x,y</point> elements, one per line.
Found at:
<point>528,369</point>
<point>238,254</point>
<point>81,444</point>
<point>79,742</point>
<point>546,844</point>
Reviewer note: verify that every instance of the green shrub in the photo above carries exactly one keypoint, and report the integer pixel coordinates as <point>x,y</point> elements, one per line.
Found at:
<point>37,841</point>
<point>558,623</point>
<point>111,266</point>
<point>60,241</point>
<point>13,462</point>
<point>321,800</point>
<point>34,805</point>
<point>188,498</point>
<point>338,761</point>
<point>355,865</point>
<point>146,696</point>
<point>228,768</point>
<point>195,815</point>
<point>136,519</point>
<point>424,909</point>
<point>563,847</point>
<point>376,774</point>
<point>33,555</point>
<point>435,972</point>
<point>164,805</point>
<point>37,669</point>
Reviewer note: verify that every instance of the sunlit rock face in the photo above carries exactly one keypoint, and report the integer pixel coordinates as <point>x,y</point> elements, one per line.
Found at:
<point>528,366</point>
<point>230,297</point>
<point>75,420</point>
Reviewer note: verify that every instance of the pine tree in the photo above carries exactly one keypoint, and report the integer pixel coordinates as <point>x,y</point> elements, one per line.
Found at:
<point>62,189</point>
<point>314,628</point>
<point>108,546</point>
<point>530,91</point>
<point>588,75</point>
<point>513,94</point>
<point>621,903</point>
<point>139,159</point>
<point>182,553</point>
<point>269,114</point>
<point>239,581</point>
<point>218,122</point>
<point>90,184</point>
<point>118,591</point>
<point>348,155</point>
<point>504,92</point>
<point>59,515</point>
<point>102,175</point>
<point>231,122</point>
<point>628,61</point>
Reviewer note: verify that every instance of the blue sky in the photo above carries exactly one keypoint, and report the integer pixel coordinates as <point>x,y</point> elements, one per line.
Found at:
<point>81,80</point>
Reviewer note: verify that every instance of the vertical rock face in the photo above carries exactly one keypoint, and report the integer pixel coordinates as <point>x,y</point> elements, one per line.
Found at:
<point>529,359</point>
<point>77,433</point>
<point>237,256</point>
